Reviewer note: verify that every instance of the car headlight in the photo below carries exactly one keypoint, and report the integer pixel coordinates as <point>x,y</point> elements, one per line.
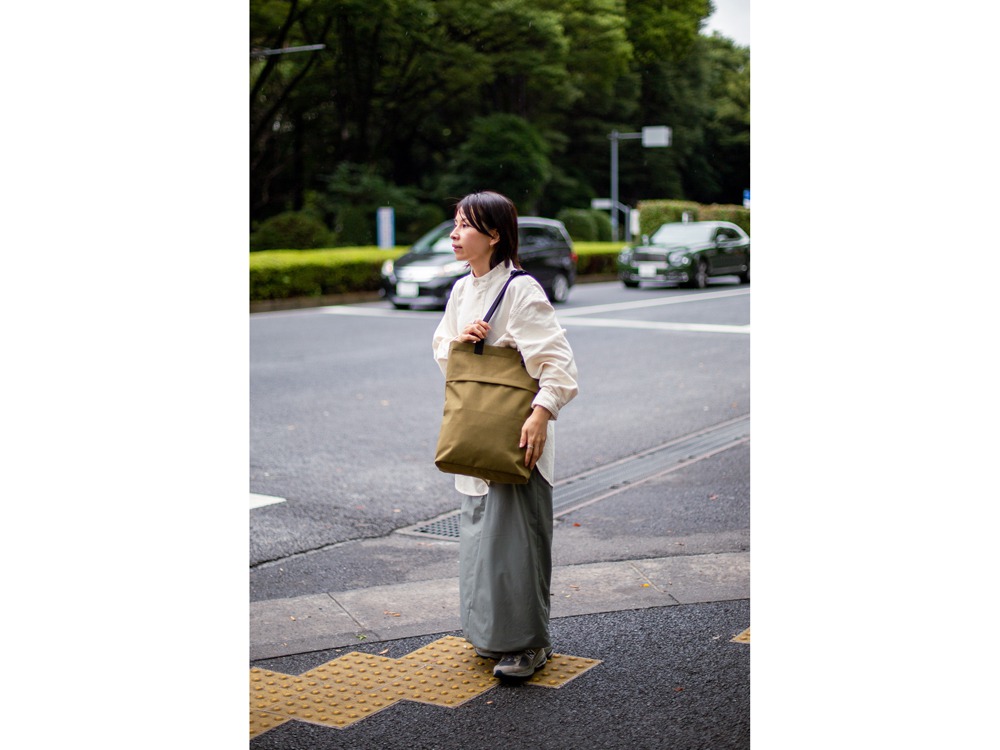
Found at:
<point>625,256</point>
<point>678,259</point>
<point>387,268</point>
<point>454,268</point>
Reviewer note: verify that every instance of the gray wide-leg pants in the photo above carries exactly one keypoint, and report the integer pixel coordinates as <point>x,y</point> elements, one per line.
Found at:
<point>505,566</point>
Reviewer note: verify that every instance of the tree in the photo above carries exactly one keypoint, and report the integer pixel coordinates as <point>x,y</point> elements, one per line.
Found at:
<point>403,86</point>
<point>727,127</point>
<point>665,38</point>
<point>604,91</point>
<point>503,153</point>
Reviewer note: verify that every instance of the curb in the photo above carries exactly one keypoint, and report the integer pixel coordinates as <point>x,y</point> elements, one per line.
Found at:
<point>283,627</point>
<point>326,300</point>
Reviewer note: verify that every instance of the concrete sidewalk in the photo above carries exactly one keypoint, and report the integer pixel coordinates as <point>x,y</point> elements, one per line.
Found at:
<point>283,627</point>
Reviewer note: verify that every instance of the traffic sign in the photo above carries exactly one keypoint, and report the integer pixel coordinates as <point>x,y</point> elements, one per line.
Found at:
<point>656,136</point>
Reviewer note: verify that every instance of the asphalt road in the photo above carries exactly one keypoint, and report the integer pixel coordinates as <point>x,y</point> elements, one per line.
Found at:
<point>346,402</point>
<point>345,406</point>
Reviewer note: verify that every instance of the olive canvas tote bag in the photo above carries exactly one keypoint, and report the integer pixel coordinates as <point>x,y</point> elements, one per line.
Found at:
<point>488,396</point>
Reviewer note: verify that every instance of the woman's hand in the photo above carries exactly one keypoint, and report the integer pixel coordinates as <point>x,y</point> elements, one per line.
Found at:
<point>533,434</point>
<point>474,332</point>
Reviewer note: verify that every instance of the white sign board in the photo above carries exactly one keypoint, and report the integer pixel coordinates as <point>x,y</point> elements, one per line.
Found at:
<point>656,136</point>
<point>601,204</point>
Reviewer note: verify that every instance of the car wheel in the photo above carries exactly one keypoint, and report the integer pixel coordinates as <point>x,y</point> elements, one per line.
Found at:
<point>700,278</point>
<point>745,276</point>
<point>631,284</point>
<point>400,306</point>
<point>559,291</point>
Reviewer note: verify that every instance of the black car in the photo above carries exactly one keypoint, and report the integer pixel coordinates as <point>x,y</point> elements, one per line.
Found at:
<point>688,252</point>
<point>424,276</point>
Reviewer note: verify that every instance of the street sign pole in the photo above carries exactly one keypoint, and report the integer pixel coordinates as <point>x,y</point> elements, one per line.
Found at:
<point>657,136</point>
<point>614,185</point>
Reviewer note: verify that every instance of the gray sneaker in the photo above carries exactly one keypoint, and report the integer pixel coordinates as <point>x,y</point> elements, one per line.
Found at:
<point>523,664</point>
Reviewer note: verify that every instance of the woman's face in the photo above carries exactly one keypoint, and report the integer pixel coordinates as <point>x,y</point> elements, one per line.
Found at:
<point>471,245</point>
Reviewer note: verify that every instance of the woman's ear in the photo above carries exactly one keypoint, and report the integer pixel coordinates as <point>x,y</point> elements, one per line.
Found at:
<point>494,237</point>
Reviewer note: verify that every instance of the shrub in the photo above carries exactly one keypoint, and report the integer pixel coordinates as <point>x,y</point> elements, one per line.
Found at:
<point>313,273</point>
<point>653,214</point>
<point>596,257</point>
<point>602,220</point>
<point>736,214</point>
<point>580,223</point>
<point>291,230</point>
<point>356,226</point>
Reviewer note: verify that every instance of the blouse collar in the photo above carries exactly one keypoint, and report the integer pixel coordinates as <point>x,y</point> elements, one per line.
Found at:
<point>500,271</point>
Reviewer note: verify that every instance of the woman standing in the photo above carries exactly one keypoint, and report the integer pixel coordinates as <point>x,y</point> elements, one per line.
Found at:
<point>505,548</point>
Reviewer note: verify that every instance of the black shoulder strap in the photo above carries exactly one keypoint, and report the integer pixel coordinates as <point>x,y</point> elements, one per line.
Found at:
<point>496,304</point>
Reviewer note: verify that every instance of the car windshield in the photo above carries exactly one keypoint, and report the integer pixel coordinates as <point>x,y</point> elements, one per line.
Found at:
<point>438,240</point>
<point>672,234</point>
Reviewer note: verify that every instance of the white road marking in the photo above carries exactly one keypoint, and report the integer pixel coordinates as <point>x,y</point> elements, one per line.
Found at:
<point>573,316</point>
<point>652,325</point>
<point>259,501</point>
<point>375,312</point>
<point>656,302</point>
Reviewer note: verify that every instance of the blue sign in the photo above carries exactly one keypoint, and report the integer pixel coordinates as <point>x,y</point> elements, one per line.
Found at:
<point>746,198</point>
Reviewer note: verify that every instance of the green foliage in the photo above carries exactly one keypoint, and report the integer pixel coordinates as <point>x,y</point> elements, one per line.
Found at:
<point>653,214</point>
<point>596,258</point>
<point>356,226</point>
<point>602,220</point>
<point>283,274</point>
<point>286,274</point>
<point>402,86</point>
<point>503,153</point>
<point>580,223</point>
<point>727,121</point>
<point>290,230</point>
<point>586,224</point>
<point>353,195</point>
<point>736,214</point>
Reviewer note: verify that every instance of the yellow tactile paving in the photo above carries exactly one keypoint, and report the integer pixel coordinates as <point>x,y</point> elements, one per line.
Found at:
<point>743,637</point>
<point>560,669</point>
<point>446,672</point>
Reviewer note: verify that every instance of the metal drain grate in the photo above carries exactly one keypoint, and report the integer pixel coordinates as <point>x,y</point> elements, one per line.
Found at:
<point>595,484</point>
<point>443,527</point>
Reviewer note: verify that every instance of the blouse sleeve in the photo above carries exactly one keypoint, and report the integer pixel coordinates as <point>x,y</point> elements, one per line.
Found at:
<point>546,352</point>
<point>445,333</point>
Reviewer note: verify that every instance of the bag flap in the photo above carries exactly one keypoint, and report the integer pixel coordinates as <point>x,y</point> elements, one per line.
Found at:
<point>499,365</point>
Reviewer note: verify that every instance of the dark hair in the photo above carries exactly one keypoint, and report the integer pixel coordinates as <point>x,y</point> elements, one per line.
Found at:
<point>487,212</point>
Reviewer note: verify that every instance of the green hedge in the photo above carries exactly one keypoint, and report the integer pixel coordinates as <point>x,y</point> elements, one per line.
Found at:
<point>595,258</point>
<point>652,214</point>
<point>281,274</point>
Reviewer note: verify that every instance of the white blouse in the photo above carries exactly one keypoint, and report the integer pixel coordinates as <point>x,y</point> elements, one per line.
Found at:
<point>526,321</point>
